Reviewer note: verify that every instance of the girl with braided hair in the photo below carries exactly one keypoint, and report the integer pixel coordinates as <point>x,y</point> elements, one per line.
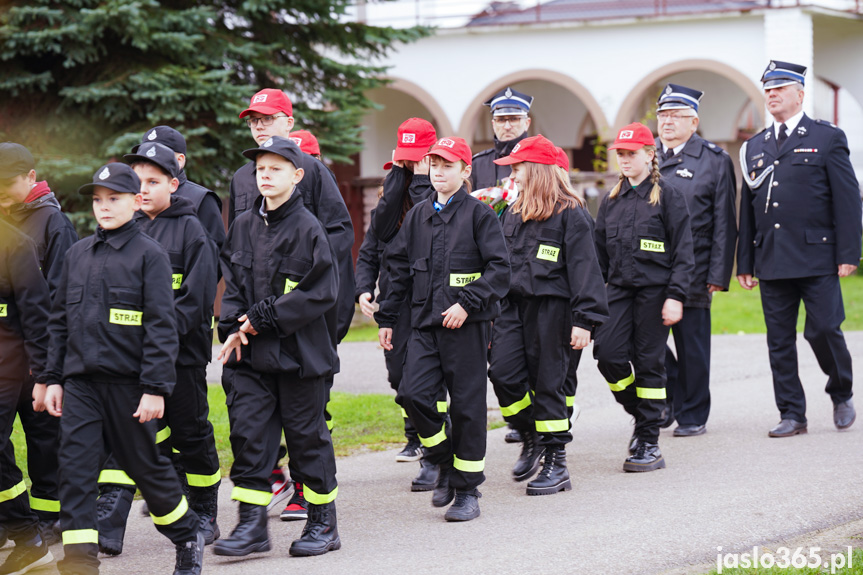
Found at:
<point>644,246</point>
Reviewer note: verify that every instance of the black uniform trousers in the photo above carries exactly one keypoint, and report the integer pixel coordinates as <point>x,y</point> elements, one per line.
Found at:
<point>822,299</point>
<point>96,417</point>
<point>260,407</point>
<point>634,335</point>
<point>441,360</point>
<point>530,365</point>
<point>688,386</point>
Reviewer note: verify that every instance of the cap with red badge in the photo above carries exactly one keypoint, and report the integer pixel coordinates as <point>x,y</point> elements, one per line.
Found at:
<point>415,135</point>
<point>452,149</point>
<point>269,101</point>
<point>307,142</point>
<point>536,149</point>
<point>633,137</point>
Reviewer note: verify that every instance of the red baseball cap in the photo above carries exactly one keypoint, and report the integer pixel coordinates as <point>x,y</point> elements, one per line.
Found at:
<point>269,101</point>
<point>562,159</point>
<point>536,149</point>
<point>633,137</point>
<point>307,142</point>
<point>414,138</point>
<point>452,149</point>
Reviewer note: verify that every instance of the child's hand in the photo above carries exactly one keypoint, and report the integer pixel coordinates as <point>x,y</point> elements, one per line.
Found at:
<point>236,340</point>
<point>672,312</point>
<point>580,338</point>
<point>454,317</point>
<point>54,400</point>
<point>150,407</point>
<point>366,305</point>
<point>422,167</point>
<point>385,338</point>
<point>39,391</point>
<point>246,328</point>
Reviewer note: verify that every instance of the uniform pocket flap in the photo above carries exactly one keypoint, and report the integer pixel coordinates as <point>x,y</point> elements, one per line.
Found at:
<point>420,265</point>
<point>611,231</point>
<point>176,259</point>
<point>243,259</point>
<point>294,266</point>
<point>465,262</point>
<point>551,235</point>
<point>651,230</point>
<point>820,236</point>
<point>74,294</point>
<point>123,295</point>
<point>807,160</point>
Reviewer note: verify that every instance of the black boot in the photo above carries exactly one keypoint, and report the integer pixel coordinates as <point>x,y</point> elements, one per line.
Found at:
<point>205,502</point>
<point>647,457</point>
<point>633,442</point>
<point>190,557</point>
<point>112,511</point>
<point>443,492</point>
<point>466,506</point>
<point>49,529</point>
<point>426,478</point>
<point>513,435</point>
<point>321,533</point>
<point>531,452</point>
<point>554,476</point>
<point>249,536</point>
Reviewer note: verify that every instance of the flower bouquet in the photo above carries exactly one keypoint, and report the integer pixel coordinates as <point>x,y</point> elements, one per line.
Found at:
<point>498,197</point>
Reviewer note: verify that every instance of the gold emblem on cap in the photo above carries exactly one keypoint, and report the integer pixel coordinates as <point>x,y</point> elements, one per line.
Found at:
<point>752,175</point>
<point>668,89</point>
<point>760,163</point>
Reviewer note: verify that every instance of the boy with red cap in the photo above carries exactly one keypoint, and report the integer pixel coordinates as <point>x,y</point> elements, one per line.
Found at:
<point>307,142</point>
<point>644,245</point>
<point>450,257</point>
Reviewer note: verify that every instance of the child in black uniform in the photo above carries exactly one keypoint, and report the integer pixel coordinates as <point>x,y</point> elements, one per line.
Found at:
<point>644,246</point>
<point>450,256</point>
<point>555,302</point>
<point>280,281</point>
<point>110,366</point>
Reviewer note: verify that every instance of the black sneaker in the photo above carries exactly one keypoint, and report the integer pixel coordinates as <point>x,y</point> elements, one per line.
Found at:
<point>298,507</point>
<point>50,531</point>
<point>26,556</point>
<point>112,511</point>
<point>426,478</point>
<point>412,452</point>
<point>443,491</point>
<point>513,436</point>
<point>466,506</point>
<point>190,557</point>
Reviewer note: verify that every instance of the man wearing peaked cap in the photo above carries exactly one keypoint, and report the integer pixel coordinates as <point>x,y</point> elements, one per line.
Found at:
<point>703,172</point>
<point>509,121</point>
<point>800,231</point>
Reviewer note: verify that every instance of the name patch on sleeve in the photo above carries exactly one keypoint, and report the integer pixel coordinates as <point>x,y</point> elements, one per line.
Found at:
<point>653,246</point>
<point>548,253</point>
<point>290,285</point>
<point>124,317</point>
<point>458,280</point>
<point>176,281</point>
<point>4,310</point>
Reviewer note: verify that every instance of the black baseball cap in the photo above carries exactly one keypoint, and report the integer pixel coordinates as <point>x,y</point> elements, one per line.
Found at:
<point>155,153</point>
<point>284,147</point>
<point>115,176</point>
<point>15,160</point>
<point>165,135</point>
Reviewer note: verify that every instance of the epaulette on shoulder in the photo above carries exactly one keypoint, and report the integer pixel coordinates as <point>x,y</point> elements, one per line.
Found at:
<point>483,153</point>
<point>714,148</point>
<point>826,123</point>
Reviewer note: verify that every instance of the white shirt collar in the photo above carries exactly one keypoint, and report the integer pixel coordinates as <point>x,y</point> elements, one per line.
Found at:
<point>790,124</point>
<point>676,148</point>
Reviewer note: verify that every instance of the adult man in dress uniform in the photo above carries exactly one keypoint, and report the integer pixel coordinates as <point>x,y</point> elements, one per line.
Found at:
<point>704,173</point>
<point>510,121</point>
<point>800,231</point>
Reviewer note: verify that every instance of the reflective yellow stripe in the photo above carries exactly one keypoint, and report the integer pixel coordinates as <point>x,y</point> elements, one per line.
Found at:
<point>512,409</point>
<point>251,496</point>
<point>570,400</point>
<point>174,515</point>
<point>124,316</point>
<point>650,392</point>
<point>76,536</point>
<point>552,425</point>
<point>290,285</point>
<point>435,439</point>
<point>458,280</point>
<point>4,310</point>
<point>49,505</point>
<point>318,498</point>
<point>13,492</point>
<point>116,476</point>
<point>175,450</point>
<point>163,434</point>
<point>404,413</point>
<point>330,424</point>
<point>622,384</point>
<point>176,281</point>
<point>468,466</point>
<point>548,253</point>
<point>442,407</point>
<point>203,480</point>
<point>652,246</point>
<point>213,323</point>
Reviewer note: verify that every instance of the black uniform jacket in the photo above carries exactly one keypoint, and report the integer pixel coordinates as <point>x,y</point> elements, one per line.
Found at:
<point>50,230</point>
<point>280,271</point>
<point>704,174</point>
<point>369,264</point>
<point>809,221</point>
<point>557,258</point>
<point>457,255</point>
<point>388,212</point>
<point>208,208</point>
<point>193,277</point>
<point>485,173</point>
<point>640,245</point>
<point>110,320</point>
<point>24,304</point>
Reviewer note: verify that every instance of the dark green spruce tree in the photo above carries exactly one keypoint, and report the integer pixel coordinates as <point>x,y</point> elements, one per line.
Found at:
<point>81,80</point>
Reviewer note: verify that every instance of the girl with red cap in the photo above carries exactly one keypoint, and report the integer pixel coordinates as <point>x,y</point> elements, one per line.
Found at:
<point>644,246</point>
<point>555,302</point>
<point>450,258</point>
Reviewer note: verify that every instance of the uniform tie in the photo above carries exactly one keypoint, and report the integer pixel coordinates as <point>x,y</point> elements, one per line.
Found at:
<point>781,136</point>
<point>669,153</point>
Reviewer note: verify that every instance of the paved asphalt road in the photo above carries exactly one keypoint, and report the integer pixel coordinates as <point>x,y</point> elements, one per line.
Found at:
<point>733,487</point>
